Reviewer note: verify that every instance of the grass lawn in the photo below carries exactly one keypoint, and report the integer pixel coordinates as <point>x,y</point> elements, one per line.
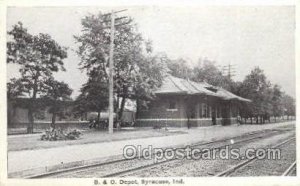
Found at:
<point>32,141</point>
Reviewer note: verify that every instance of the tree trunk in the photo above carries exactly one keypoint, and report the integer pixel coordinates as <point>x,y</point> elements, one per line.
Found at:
<point>261,120</point>
<point>122,107</point>
<point>30,115</point>
<point>31,105</point>
<point>53,116</point>
<point>98,116</point>
<point>256,119</point>
<point>9,114</point>
<point>275,118</point>
<point>53,120</point>
<point>30,120</point>
<point>122,103</point>
<point>138,107</point>
<point>251,120</point>
<point>118,100</point>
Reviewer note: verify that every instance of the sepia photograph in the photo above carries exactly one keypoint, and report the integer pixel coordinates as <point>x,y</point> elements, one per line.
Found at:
<point>150,94</point>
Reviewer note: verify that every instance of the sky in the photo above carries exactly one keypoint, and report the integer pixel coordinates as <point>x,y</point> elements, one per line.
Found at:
<point>244,36</point>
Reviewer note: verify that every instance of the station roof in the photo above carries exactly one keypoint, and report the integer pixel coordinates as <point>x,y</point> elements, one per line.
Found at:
<point>178,86</point>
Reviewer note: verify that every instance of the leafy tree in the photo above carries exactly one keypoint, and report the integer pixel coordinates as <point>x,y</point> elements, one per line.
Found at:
<point>276,101</point>
<point>289,105</point>
<point>179,68</point>
<point>257,88</point>
<point>15,89</point>
<point>149,76</point>
<point>56,94</point>
<point>209,73</point>
<point>94,94</point>
<point>38,57</point>
<point>80,107</point>
<point>131,63</point>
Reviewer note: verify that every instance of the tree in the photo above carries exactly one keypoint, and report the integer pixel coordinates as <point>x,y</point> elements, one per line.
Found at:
<point>131,63</point>
<point>289,105</point>
<point>56,94</point>
<point>94,94</point>
<point>180,69</point>
<point>256,87</point>
<point>276,101</point>
<point>80,107</point>
<point>38,57</point>
<point>209,73</point>
<point>15,89</point>
<point>149,77</point>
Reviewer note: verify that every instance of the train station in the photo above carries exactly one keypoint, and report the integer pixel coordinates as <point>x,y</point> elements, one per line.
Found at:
<point>184,103</point>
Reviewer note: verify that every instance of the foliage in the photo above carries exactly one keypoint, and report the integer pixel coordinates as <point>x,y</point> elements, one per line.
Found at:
<point>288,105</point>
<point>179,68</point>
<point>58,134</point>
<point>94,94</point>
<point>38,57</point>
<point>56,92</point>
<point>276,101</point>
<point>254,87</point>
<point>267,99</point>
<point>137,72</point>
<point>15,88</point>
<point>209,73</point>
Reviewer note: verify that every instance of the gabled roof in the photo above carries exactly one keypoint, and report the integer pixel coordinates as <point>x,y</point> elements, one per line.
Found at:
<point>226,95</point>
<point>179,86</point>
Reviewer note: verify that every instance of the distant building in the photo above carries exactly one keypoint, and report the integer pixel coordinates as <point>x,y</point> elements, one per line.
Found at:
<point>17,113</point>
<point>128,115</point>
<point>184,103</point>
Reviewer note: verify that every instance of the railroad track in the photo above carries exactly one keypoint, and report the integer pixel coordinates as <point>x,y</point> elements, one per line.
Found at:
<point>217,144</point>
<point>233,169</point>
<point>289,171</point>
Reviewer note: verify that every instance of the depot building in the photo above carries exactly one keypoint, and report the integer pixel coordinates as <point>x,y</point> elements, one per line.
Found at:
<point>184,103</point>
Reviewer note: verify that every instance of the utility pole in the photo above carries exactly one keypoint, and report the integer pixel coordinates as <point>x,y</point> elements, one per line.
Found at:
<point>111,75</point>
<point>111,69</point>
<point>230,69</point>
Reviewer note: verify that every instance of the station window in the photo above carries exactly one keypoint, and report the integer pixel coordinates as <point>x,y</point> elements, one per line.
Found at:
<point>172,104</point>
<point>205,110</point>
<point>193,111</point>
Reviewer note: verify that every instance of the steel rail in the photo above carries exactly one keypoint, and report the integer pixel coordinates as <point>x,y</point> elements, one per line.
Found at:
<point>289,170</point>
<point>169,160</point>
<point>231,170</point>
<point>82,168</point>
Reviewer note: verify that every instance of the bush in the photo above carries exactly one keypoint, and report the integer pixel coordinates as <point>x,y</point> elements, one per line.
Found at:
<point>156,127</point>
<point>58,134</point>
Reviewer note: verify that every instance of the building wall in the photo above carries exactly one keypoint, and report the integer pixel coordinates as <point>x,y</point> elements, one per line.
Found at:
<point>160,114</point>
<point>18,116</point>
<point>199,108</point>
<point>19,120</point>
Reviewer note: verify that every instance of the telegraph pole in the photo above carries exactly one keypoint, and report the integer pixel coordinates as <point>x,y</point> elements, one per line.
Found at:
<point>230,70</point>
<point>111,75</point>
<point>111,68</point>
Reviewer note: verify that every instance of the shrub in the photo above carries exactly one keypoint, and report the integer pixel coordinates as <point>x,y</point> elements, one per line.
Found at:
<point>58,134</point>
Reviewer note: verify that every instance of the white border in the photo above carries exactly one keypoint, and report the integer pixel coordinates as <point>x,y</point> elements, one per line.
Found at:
<point>189,180</point>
